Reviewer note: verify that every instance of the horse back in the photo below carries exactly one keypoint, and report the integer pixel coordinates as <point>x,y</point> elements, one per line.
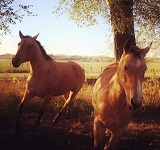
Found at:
<point>71,69</point>
<point>71,76</point>
<point>108,73</point>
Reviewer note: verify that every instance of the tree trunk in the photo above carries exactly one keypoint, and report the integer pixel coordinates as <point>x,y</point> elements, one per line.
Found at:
<point>122,24</point>
<point>119,40</point>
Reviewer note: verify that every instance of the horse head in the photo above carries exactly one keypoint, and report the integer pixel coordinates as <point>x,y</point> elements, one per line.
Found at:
<point>131,69</point>
<point>25,49</point>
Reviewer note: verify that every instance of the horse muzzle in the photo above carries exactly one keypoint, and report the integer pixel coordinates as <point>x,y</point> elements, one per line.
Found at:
<point>134,105</point>
<point>15,62</point>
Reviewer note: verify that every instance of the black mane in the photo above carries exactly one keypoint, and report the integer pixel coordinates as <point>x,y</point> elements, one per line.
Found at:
<point>46,56</point>
<point>136,51</point>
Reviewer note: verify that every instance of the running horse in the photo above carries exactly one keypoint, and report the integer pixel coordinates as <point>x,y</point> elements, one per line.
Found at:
<point>116,93</point>
<point>47,77</point>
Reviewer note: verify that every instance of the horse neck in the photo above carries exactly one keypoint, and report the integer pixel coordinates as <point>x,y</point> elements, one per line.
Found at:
<point>38,63</point>
<point>116,90</point>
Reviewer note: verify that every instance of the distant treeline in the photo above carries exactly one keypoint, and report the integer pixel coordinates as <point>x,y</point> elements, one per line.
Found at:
<point>64,57</point>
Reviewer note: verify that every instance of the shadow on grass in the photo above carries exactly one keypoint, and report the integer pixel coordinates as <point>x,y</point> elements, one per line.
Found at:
<point>142,133</point>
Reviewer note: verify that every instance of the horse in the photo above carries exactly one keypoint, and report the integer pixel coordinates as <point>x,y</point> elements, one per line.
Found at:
<point>47,77</point>
<point>116,94</point>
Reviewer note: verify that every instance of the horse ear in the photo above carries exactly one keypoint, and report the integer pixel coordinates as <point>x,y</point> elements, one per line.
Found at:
<point>127,46</point>
<point>35,37</point>
<point>146,50</point>
<point>21,35</point>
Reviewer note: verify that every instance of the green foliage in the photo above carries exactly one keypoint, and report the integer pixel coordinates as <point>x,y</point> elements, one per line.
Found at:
<point>144,13</point>
<point>10,13</point>
<point>83,12</point>
<point>147,13</point>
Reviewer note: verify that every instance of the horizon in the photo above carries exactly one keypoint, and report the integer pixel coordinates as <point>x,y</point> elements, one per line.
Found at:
<point>63,55</point>
<point>58,34</point>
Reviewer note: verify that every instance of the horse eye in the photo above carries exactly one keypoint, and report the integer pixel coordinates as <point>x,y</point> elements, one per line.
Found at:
<point>125,67</point>
<point>30,46</point>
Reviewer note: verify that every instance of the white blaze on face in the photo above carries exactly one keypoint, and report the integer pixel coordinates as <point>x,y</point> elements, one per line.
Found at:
<point>139,85</point>
<point>139,91</point>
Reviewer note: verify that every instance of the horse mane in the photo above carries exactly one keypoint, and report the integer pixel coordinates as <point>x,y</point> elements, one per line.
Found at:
<point>45,55</point>
<point>136,51</point>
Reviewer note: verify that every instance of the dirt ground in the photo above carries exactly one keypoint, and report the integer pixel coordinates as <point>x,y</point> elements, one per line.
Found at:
<point>142,133</point>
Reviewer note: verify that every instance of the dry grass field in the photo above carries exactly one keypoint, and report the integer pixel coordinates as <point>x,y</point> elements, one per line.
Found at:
<point>93,66</point>
<point>143,132</point>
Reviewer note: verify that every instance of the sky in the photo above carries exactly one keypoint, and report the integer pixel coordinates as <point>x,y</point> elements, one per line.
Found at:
<point>58,34</point>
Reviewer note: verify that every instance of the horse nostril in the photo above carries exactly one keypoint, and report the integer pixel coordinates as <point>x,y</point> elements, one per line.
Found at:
<point>134,104</point>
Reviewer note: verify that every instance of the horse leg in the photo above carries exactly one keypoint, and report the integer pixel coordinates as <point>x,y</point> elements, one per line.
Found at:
<point>98,134</point>
<point>47,99</point>
<point>25,99</point>
<point>66,96</point>
<point>108,135</point>
<point>70,98</point>
<point>114,139</point>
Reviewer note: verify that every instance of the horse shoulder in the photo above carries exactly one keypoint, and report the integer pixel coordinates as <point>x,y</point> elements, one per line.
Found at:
<point>45,82</point>
<point>103,82</point>
<point>30,85</point>
<point>100,98</point>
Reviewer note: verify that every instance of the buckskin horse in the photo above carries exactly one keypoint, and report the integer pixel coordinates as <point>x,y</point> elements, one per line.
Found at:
<point>116,93</point>
<point>47,77</point>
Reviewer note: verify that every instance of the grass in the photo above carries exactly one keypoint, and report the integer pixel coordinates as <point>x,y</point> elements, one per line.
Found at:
<point>92,68</point>
<point>13,85</point>
<point>6,67</point>
<point>11,91</point>
<point>141,133</point>
<point>151,90</point>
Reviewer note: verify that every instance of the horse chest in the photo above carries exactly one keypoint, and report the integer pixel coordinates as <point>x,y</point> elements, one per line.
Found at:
<point>116,118</point>
<point>41,87</point>
<point>112,113</point>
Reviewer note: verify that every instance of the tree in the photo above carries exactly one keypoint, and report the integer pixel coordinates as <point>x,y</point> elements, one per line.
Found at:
<point>123,15</point>
<point>122,23</point>
<point>10,13</point>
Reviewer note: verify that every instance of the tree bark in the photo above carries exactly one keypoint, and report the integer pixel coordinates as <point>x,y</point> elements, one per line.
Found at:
<point>119,40</point>
<point>122,24</point>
